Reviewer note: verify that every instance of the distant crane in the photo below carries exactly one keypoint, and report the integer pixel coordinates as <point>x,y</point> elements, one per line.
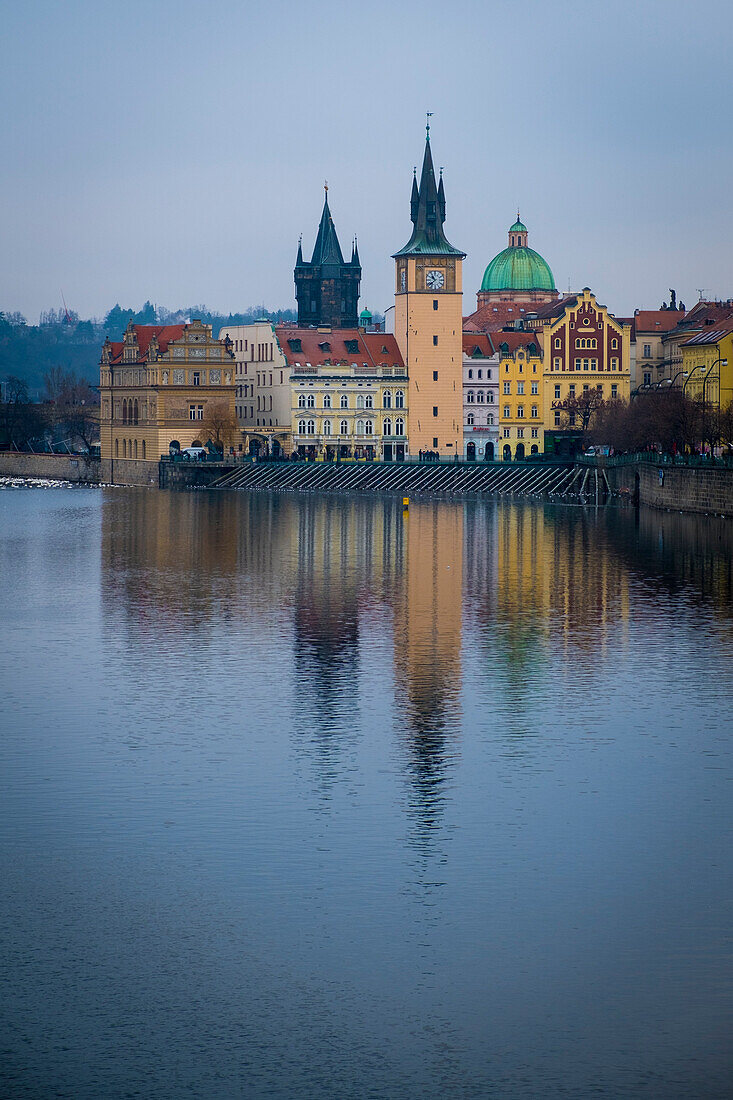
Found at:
<point>68,319</point>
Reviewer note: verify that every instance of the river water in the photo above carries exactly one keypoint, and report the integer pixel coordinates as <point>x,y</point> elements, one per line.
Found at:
<point>304,797</point>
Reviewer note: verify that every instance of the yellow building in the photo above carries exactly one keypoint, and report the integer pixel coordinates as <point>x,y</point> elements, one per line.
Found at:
<point>521,399</point>
<point>349,393</point>
<point>428,321</point>
<point>585,348</point>
<point>707,363</point>
<point>157,387</point>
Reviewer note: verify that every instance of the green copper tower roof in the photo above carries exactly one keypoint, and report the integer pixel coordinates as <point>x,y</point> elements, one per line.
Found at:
<point>427,212</point>
<point>518,267</point>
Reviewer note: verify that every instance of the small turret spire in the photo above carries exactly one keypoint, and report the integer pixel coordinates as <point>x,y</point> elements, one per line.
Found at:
<point>429,115</point>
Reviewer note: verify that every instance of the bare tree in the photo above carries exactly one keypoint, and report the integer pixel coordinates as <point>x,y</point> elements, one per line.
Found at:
<point>220,424</point>
<point>74,407</point>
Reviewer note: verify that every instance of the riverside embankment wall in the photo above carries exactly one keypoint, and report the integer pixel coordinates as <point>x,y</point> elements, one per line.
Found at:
<point>702,489</point>
<point>78,468</point>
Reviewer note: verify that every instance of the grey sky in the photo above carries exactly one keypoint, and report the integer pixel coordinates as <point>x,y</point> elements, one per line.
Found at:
<point>174,151</point>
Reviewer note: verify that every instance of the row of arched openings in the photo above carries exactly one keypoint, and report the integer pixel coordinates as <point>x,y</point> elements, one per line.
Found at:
<point>128,448</point>
<point>130,411</point>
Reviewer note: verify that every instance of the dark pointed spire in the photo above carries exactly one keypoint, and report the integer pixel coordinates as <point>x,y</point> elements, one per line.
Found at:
<point>299,260</point>
<point>414,197</point>
<point>327,249</point>
<point>427,211</point>
<point>355,254</point>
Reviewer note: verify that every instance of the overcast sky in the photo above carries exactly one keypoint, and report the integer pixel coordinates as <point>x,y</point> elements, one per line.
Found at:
<point>175,150</point>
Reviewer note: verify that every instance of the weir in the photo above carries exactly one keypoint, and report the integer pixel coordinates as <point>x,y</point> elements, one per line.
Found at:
<point>548,480</point>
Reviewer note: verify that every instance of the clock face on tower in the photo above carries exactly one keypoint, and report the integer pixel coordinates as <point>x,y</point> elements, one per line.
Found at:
<point>434,280</point>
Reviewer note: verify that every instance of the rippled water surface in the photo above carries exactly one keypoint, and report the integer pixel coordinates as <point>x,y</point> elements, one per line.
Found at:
<point>305,798</point>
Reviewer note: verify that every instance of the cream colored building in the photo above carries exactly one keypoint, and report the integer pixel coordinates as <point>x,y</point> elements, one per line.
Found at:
<point>261,375</point>
<point>349,394</point>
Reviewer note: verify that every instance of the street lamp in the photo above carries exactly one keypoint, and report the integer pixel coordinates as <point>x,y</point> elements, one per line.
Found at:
<point>700,366</point>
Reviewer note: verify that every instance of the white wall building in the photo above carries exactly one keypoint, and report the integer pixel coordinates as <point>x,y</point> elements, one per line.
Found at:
<point>262,376</point>
<point>480,398</point>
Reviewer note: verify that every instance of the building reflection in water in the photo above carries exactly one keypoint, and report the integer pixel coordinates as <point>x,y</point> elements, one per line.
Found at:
<point>324,593</point>
<point>347,555</point>
<point>427,654</point>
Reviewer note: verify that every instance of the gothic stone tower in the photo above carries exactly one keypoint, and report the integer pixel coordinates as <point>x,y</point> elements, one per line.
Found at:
<point>428,320</point>
<point>327,288</point>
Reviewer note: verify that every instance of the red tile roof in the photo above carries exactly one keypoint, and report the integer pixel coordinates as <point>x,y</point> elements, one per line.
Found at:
<point>481,341</point>
<point>373,348</point>
<point>495,315</point>
<point>516,340</point>
<point>656,320</point>
<point>166,334</point>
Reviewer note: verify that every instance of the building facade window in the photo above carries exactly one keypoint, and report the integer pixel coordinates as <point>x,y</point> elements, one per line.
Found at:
<point>326,427</point>
<point>327,400</point>
<point>344,427</point>
<point>469,418</point>
<point>311,401</point>
<point>399,399</point>
<point>399,426</point>
<point>387,399</point>
<point>386,426</point>
<point>469,397</point>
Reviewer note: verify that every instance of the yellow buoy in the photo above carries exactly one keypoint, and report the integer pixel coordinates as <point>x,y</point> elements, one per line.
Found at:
<point>405,502</point>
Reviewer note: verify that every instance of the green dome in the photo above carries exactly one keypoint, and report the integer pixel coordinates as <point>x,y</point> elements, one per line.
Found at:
<point>518,227</point>
<point>365,315</point>
<point>518,269</point>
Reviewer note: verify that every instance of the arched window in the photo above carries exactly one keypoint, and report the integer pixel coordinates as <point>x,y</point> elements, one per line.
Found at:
<point>344,428</point>
<point>144,448</point>
<point>135,448</point>
<point>399,399</point>
<point>507,412</point>
<point>360,427</point>
<point>311,401</point>
<point>387,399</point>
<point>327,400</point>
<point>301,401</point>
<point>399,426</point>
<point>301,427</point>
<point>117,448</point>
<point>469,418</point>
<point>258,406</point>
<point>124,411</point>
<point>490,418</point>
<point>124,448</point>
<point>479,398</point>
<point>490,397</point>
<point>368,401</point>
<point>344,400</point>
<point>326,427</point>
<point>360,400</point>
<point>311,427</point>
<point>368,427</point>
<point>137,415</point>
<point>469,397</point>
<point>386,426</point>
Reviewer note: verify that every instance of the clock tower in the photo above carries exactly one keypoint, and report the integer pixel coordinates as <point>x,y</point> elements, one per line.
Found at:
<point>429,320</point>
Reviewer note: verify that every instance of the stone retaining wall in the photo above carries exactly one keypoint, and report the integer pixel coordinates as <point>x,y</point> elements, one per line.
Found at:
<point>79,468</point>
<point>700,489</point>
<point>55,467</point>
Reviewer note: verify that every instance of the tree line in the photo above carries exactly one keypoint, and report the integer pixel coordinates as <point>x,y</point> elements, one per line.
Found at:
<point>62,340</point>
<point>666,420</point>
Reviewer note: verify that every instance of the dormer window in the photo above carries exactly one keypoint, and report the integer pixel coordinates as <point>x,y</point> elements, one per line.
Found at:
<point>352,346</point>
<point>295,344</point>
<point>325,346</point>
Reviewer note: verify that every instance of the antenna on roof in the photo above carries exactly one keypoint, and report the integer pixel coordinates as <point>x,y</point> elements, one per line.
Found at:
<point>701,293</point>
